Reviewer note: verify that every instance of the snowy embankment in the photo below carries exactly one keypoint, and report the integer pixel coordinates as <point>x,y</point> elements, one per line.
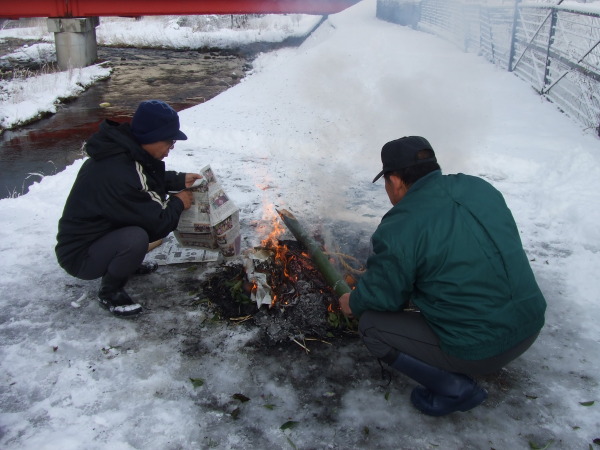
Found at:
<point>25,98</point>
<point>303,132</point>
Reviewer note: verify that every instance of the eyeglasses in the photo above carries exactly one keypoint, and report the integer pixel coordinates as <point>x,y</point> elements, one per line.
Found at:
<point>171,143</point>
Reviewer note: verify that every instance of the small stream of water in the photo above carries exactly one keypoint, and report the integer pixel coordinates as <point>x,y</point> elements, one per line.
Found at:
<point>181,78</point>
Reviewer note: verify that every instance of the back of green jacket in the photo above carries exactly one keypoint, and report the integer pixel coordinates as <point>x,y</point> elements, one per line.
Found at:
<point>452,247</point>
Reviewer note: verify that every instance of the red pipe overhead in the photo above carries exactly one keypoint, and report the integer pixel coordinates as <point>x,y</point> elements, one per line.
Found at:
<point>134,8</point>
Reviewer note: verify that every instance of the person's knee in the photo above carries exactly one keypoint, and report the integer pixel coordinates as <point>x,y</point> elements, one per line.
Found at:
<point>370,335</point>
<point>366,323</point>
<point>130,247</point>
<point>138,238</point>
<point>137,242</point>
<point>134,242</point>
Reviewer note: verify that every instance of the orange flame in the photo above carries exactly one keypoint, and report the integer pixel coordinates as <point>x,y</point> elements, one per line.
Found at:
<point>272,240</point>
<point>277,229</point>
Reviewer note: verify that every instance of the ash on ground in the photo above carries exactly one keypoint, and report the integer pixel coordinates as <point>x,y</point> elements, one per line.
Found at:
<point>304,306</point>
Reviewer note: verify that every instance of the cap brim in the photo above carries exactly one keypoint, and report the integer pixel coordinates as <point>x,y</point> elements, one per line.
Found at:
<point>378,176</point>
<point>180,136</point>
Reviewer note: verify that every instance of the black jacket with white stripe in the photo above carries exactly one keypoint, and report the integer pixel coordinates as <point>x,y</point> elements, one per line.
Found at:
<point>119,185</point>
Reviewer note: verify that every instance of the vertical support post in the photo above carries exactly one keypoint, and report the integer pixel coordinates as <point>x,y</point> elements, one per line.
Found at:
<point>513,39</point>
<point>75,40</point>
<point>488,30</point>
<point>551,34</point>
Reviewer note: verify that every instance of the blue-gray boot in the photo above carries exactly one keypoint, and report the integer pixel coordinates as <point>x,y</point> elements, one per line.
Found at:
<point>443,392</point>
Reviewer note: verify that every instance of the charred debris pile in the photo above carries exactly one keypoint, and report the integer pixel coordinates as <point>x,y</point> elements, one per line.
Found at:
<point>289,289</point>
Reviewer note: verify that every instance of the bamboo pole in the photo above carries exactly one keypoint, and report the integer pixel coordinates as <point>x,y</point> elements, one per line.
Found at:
<point>332,276</point>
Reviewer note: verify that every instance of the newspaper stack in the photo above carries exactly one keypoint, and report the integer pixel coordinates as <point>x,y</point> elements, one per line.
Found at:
<point>212,222</point>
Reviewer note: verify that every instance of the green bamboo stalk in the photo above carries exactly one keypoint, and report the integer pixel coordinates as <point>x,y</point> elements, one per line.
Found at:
<point>331,275</point>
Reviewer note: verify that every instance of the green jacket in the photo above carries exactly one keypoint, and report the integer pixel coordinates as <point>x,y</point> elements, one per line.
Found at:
<point>452,247</point>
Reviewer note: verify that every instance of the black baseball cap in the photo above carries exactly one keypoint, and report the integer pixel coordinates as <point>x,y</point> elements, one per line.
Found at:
<point>401,153</point>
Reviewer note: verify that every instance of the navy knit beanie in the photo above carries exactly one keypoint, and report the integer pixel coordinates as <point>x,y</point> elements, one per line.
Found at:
<point>156,121</point>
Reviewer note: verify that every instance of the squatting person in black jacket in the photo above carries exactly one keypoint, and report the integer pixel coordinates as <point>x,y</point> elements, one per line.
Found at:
<point>120,202</point>
<point>451,247</point>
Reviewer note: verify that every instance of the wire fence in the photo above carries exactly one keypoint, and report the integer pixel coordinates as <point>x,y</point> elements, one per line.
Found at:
<point>555,48</point>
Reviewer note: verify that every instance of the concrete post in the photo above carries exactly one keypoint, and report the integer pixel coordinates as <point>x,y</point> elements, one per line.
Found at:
<point>75,40</point>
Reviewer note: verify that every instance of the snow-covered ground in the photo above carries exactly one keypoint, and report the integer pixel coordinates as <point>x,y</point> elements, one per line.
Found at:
<point>304,132</point>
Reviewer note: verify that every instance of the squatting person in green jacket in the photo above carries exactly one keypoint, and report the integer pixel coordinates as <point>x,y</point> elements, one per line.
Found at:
<point>450,247</point>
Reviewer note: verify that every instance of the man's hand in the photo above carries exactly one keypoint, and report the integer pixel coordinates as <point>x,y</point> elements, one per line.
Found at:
<point>345,305</point>
<point>190,178</point>
<point>186,197</point>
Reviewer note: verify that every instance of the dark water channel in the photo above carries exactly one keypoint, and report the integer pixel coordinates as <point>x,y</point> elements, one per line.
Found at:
<point>181,78</point>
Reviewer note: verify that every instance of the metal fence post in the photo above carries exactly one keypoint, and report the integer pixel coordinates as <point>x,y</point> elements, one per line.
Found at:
<point>513,38</point>
<point>573,46</point>
<point>551,34</point>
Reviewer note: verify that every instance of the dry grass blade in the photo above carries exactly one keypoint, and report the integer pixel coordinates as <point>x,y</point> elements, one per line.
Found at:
<point>240,319</point>
<point>301,345</point>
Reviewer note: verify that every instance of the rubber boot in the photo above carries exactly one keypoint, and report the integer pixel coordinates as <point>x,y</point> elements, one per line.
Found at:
<point>443,392</point>
<point>113,297</point>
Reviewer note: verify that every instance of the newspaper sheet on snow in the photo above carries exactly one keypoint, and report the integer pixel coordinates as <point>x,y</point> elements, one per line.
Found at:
<point>212,222</point>
<point>170,252</point>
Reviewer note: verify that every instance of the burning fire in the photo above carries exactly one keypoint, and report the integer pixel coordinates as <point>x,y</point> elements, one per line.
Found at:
<point>271,242</point>
<point>271,217</point>
<point>288,264</point>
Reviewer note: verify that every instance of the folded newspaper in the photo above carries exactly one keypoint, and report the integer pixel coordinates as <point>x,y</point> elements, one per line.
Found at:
<point>212,222</point>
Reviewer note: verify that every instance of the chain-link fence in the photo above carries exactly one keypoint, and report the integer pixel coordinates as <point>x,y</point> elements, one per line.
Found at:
<point>554,47</point>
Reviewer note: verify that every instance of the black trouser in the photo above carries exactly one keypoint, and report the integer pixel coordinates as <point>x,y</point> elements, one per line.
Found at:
<point>118,254</point>
<point>386,334</point>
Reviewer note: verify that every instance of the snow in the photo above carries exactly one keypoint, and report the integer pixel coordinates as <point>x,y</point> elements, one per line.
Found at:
<point>203,31</point>
<point>22,99</point>
<point>42,52</point>
<point>303,132</point>
<point>593,8</point>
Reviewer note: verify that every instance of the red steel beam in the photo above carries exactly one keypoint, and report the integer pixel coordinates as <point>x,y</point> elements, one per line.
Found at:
<point>11,9</point>
<point>133,8</point>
